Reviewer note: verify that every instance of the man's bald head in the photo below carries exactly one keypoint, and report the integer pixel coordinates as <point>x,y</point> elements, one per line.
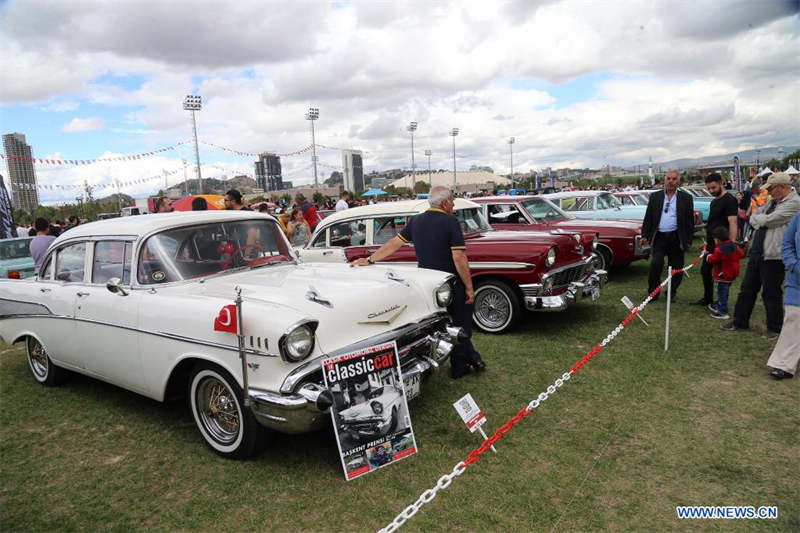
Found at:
<point>438,195</point>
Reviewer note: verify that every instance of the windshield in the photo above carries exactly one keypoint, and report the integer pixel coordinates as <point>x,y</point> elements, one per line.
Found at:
<point>15,249</point>
<point>203,250</point>
<point>471,221</point>
<point>543,211</point>
<point>607,201</point>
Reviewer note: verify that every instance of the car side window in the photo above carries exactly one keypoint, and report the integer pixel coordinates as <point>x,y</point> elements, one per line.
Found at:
<point>320,240</point>
<point>112,259</point>
<point>70,262</point>
<point>46,272</point>
<point>386,228</point>
<point>350,233</point>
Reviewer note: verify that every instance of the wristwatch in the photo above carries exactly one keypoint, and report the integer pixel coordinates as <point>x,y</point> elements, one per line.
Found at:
<point>370,261</point>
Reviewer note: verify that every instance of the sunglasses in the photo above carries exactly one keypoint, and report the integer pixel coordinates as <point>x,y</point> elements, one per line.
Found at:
<point>666,207</point>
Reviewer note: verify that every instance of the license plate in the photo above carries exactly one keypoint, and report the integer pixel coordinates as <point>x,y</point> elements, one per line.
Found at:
<point>411,384</point>
<point>595,293</point>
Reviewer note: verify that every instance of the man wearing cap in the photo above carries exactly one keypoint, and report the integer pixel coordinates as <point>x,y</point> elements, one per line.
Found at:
<point>764,267</point>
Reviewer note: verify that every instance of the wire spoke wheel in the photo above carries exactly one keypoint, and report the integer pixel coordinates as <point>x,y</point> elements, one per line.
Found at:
<point>38,360</point>
<point>492,308</point>
<point>218,410</point>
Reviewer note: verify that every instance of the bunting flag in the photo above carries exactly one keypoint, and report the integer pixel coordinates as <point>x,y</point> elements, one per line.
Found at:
<point>251,154</point>
<point>99,186</point>
<point>77,162</point>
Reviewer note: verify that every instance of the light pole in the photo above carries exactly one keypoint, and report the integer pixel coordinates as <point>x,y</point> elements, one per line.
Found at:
<point>193,103</point>
<point>511,156</point>
<point>430,183</point>
<point>312,115</point>
<point>454,134</point>
<point>412,127</point>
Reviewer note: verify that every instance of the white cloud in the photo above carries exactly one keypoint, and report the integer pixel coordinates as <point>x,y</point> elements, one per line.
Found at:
<point>83,124</point>
<point>676,79</point>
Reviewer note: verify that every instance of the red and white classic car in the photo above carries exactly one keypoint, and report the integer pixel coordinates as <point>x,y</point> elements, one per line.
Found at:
<point>620,240</point>
<point>511,270</point>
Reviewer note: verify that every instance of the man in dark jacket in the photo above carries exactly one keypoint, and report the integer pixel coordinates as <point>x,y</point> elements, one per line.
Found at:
<point>668,225</point>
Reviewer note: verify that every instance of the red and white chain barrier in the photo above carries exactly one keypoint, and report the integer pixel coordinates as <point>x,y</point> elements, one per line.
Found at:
<point>474,455</point>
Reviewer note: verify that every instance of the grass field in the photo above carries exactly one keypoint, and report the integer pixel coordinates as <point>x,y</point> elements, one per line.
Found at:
<point>632,435</point>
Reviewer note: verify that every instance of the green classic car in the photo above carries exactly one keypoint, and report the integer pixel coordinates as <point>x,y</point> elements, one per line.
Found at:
<point>15,258</point>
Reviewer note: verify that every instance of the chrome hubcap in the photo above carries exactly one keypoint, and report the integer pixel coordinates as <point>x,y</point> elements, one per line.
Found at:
<point>218,410</point>
<point>38,359</point>
<point>492,308</point>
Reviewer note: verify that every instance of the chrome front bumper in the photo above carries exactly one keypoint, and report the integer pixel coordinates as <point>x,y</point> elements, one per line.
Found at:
<point>307,408</point>
<point>560,302</point>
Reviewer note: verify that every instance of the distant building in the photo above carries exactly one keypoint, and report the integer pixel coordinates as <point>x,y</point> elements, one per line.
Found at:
<point>268,172</point>
<point>21,174</point>
<point>465,181</point>
<point>380,183</point>
<point>353,170</point>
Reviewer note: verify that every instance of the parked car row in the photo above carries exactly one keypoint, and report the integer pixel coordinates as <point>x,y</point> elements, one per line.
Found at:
<point>136,302</point>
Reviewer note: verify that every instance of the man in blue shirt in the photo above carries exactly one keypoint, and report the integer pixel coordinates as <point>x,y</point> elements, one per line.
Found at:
<point>668,225</point>
<point>439,245</point>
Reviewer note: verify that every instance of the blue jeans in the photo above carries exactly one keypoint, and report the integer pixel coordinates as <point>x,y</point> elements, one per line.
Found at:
<point>723,288</point>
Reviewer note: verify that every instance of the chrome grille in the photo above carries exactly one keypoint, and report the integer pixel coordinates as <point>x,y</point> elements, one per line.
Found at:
<point>568,275</point>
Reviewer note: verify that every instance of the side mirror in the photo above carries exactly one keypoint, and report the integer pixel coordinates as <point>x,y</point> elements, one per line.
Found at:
<point>115,285</point>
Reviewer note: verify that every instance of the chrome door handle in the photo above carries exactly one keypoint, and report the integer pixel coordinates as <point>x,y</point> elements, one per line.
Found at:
<point>327,253</point>
<point>44,290</point>
<point>83,294</point>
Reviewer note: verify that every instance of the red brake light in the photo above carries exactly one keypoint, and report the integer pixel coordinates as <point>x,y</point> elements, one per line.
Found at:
<point>14,274</point>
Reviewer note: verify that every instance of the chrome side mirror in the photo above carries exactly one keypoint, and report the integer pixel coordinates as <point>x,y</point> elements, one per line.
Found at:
<point>115,285</point>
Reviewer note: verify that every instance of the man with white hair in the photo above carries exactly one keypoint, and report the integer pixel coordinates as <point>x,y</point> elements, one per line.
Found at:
<point>439,244</point>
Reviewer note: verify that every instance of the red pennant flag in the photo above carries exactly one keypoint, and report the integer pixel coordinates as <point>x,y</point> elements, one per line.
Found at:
<point>226,320</point>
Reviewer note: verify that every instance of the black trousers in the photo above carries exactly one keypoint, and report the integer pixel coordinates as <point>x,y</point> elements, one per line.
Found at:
<point>461,313</point>
<point>669,245</point>
<point>760,274</point>
<point>706,272</point>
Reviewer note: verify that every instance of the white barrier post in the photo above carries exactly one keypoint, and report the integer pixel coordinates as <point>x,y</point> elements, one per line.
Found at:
<point>669,299</point>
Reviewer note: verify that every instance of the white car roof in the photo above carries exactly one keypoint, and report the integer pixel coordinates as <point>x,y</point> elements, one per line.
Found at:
<point>144,224</point>
<point>572,194</point>
<point>388,208</point>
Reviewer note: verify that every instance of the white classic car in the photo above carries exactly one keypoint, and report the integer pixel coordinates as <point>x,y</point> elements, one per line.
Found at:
<point>378,414</point>
<point>133,301</point>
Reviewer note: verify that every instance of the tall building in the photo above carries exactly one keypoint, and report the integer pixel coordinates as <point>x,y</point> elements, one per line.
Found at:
<point>21,174</point>
<point>353,170</point>
<point>268,172</point>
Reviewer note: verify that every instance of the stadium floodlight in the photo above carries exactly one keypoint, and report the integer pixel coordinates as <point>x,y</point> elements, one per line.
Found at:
<point>454,134</point>
<point>412,127</point>
<point>194,102</point>
<point>311,115</point>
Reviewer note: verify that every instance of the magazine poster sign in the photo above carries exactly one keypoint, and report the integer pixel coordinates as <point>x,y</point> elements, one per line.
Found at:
<point>369,411</point>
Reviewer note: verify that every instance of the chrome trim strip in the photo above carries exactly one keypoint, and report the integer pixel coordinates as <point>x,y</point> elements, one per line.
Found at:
<point>508,265</point>
<point>164,334</point>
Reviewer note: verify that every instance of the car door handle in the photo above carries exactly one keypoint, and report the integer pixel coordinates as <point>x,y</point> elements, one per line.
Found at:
<point>329,252</point>
<point>83,294</point>
<point>44,290</point>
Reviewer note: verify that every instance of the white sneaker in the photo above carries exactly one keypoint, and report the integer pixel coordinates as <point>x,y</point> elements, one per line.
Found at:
<point>720,316</point>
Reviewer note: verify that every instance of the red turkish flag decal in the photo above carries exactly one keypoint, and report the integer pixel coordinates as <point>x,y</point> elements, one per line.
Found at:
<point>226,320</point>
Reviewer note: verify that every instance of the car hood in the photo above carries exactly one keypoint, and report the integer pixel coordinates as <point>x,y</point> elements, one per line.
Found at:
<point>575,224</point>
<point>363,301</point>
<point>520,237</point>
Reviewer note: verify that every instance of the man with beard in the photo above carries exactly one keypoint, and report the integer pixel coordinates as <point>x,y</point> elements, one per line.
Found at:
<point>722,212</point>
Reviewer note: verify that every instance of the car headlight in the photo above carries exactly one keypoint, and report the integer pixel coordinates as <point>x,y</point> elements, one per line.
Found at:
<point>550,260</point>
<point>444,294</point>
<point>377,407</point>
<point>298,343</point>
<point>594,242</point>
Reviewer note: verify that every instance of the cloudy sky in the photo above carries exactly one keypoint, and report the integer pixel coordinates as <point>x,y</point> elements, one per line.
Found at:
<point>577,83</point>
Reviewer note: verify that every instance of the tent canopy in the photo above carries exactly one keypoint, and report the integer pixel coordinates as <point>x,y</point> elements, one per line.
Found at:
<point>764,172</point>
<point>792,171</point>
<point>374,192</point>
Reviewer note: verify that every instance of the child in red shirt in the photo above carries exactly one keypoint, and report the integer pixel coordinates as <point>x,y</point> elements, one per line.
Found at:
<point>725,259</point>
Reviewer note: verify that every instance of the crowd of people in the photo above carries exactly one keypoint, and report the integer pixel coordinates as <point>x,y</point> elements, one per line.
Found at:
<point>762,222</point>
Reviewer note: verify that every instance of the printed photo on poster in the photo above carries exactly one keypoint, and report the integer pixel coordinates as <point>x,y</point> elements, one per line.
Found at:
<point>370,411</point>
